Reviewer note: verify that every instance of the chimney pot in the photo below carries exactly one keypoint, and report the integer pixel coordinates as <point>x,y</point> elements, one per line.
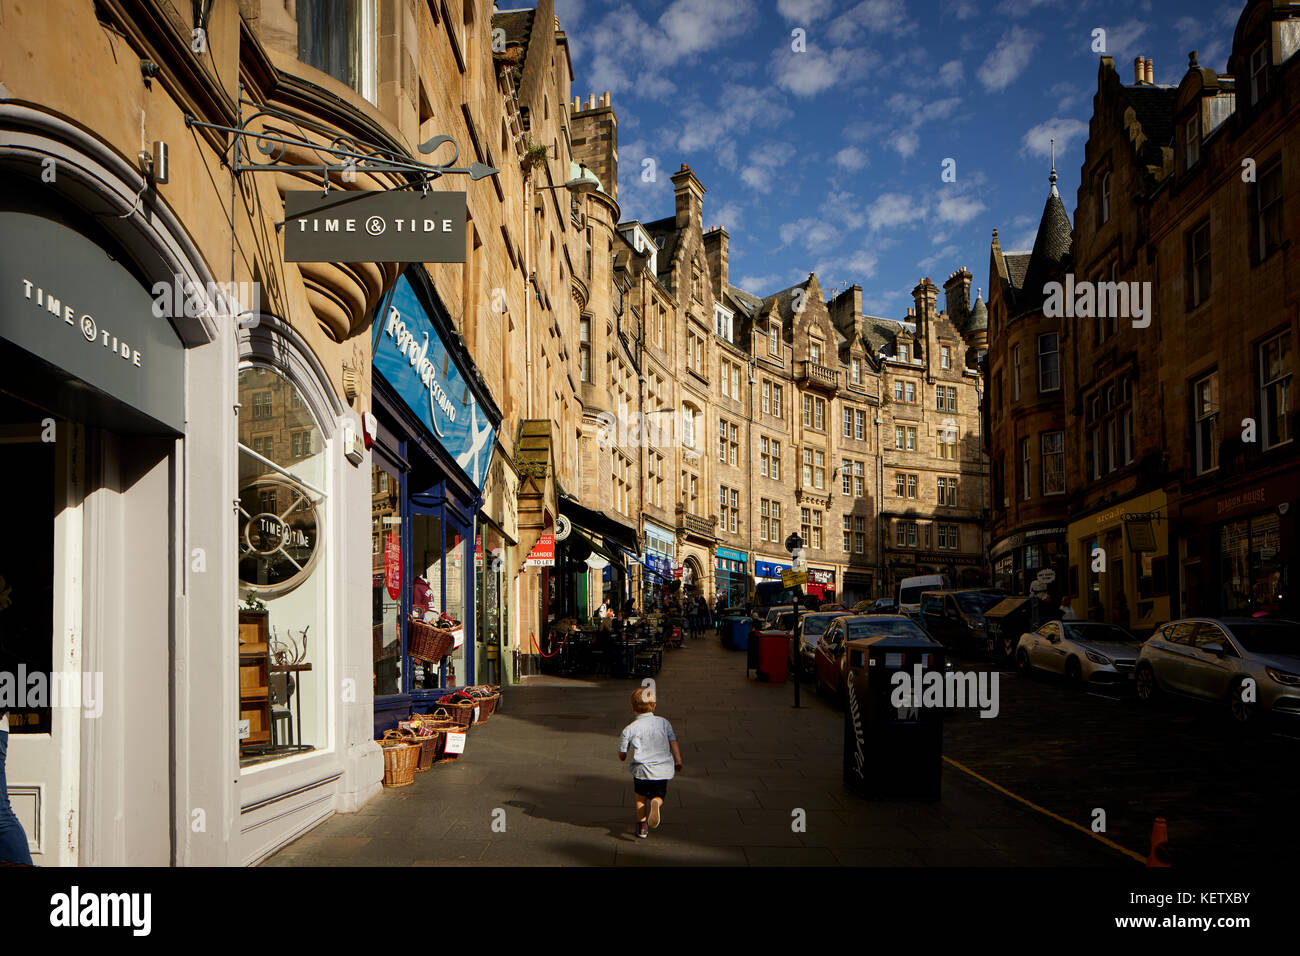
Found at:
<point>1151,71</point>
<point>1139,70</point>
<point>591,101</point>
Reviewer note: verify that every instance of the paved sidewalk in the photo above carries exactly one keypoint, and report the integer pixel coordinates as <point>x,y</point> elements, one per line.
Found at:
<point>549,761</point>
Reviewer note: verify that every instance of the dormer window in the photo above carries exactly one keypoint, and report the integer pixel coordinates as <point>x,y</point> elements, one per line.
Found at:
<point>855,371</point>
<point>815,352</point>
<point>1259,73</point>
<point>1193,139</point>
<point>903,353</point>
<point>774,339</point>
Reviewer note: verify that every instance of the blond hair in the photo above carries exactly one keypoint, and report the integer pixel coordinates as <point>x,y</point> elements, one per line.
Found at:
<point>643,700</point>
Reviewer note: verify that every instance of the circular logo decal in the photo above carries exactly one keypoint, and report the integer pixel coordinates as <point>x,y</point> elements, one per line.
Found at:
<point>562,528</point>
<point>279,529</point>
<point>376,225</point>
<point>88,328</point>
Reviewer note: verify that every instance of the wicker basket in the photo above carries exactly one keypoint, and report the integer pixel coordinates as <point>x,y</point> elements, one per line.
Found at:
<point>462,714</point>
<point>442,724</point>
<point>428,746</point>
<point>487,706</point>
<point>400,759</point>
<point>429,643</point>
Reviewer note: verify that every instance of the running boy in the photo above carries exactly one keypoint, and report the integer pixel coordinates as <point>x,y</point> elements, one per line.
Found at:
<point>655,757</point>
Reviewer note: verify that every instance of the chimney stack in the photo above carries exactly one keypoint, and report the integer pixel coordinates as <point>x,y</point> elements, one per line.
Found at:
<point>957,296</point>
<point>688,197</point>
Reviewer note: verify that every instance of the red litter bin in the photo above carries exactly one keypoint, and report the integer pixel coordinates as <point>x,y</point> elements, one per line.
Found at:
<point>773,656</point>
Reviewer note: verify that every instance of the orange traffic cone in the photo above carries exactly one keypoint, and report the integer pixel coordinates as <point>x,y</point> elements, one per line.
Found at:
<point>1159,855</point>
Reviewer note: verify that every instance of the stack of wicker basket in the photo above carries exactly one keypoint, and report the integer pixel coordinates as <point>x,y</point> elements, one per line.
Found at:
<point>400,760</point>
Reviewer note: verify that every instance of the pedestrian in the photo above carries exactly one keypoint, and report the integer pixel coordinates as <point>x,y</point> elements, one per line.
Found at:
<point>1067,611</point>
<point>656,756</point>
<point>13,841</point>
<point>602,611</point>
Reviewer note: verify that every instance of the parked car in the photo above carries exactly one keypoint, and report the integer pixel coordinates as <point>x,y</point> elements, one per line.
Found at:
<point>765,618</point>
<point>956,618</point>
<point>828,656</point>
<point>1214,658</point>
<point>909,590</point>
<point>774,594</point>
<point>809,628</point>
<point>1081,651</point>
<point>884,605</point>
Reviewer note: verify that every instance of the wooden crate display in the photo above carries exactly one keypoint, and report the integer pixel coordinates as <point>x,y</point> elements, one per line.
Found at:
<point>254,678</point>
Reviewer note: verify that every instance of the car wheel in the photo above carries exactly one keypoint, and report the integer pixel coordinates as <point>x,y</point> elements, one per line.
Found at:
<point>1144,683</point>
<point>1243,713</point>
<point>1073,673</point>
<point>1022,662</point>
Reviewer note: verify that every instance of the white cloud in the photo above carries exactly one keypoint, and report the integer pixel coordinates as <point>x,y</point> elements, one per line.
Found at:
<point>761,173</point>
<point>845,208</point>
<point>569,12</point>
<point>950,74</point>
<point>1022,8</point>
<point>905,142</point>
<point>945,254</point>
<point>962,9</point>
<point>810,232</point>
<point>851,158</point>
<point>684,30</point>
<point>739,109</point>
<point>1121,41</point>
<point>1065,94</point>
<point>894,209</point>
<point>1037,142</point>
<point>863,263</point>
<point>874,16</point>
<point>957,210</point>
<point>1008,59</point>
<point>815,70</point>
<point>638,198</point>
<point>803,11</point>
<point>728,216</point>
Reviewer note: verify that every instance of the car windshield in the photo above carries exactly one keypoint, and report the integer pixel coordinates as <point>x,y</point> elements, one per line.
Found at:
<point>785,622</point>
<point>814,625</point>
<point>977,602</point>
<point>1271,637</point>
<point>891,627</point>
<point>911,595</point>
<point>1098,633</point>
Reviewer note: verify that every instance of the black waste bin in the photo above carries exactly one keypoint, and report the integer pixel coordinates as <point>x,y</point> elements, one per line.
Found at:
<point>890,751</point>
<point>1006,621</point>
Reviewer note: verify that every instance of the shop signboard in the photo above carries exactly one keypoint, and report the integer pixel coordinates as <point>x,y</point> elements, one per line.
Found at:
<point>67,301</point>
<point>374,226</point>
<point>412,357</point>
<point>393,565</point>
<point>543,553</point>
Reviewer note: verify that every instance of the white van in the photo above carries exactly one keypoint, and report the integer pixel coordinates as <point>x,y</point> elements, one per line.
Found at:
<point>909,590</point>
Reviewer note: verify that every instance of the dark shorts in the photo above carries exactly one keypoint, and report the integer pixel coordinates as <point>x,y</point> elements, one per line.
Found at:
<point>650,788</point>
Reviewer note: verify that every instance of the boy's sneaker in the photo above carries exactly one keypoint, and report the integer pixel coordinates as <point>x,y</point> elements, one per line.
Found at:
<point>653,819</point>
<point>642,831</point>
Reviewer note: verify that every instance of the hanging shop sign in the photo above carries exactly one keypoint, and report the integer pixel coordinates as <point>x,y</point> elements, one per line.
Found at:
<point>66,301</point>
<point>374,226</point>
<point>393,565</point>
<point>543,553</point>
<point>821,576</point>
<point>412,357</point>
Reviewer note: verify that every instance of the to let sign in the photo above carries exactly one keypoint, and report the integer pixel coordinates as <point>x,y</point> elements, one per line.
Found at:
<point>374,226</point>
<point>543,553</point>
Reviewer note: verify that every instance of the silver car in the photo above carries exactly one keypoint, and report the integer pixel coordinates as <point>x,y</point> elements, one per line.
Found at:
<point>1252,664</point>
<point>1081,651</point>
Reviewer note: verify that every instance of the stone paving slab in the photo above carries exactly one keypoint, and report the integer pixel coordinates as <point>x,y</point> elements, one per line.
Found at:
<point>549,760</point>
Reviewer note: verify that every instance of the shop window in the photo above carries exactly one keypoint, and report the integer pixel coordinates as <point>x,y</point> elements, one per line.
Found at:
<point>1253,566</point>
<point>385,564</point>
<point>278,528</point>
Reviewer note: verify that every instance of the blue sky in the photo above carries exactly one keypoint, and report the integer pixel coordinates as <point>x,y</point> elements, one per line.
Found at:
<point>830,159</point>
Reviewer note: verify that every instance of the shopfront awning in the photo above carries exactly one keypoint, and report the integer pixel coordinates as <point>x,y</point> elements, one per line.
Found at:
<point>613,530</point>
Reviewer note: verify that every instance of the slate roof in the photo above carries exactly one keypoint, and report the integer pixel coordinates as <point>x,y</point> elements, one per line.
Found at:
<point>979,316</point>
<point>750,303</point>
<point>1017,265</point>
<point>1154,106</point>
<point>1051,248</point>
<point>665,229</point>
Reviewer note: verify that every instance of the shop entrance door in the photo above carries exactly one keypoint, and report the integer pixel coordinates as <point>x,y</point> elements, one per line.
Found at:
<point>41,475</point>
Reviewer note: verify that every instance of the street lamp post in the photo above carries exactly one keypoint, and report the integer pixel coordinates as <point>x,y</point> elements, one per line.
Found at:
<point>793,544</point>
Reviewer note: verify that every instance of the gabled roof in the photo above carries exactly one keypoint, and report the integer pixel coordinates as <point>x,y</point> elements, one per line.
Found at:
<point>750,303</point>
<point>666,230</point>
<point>1017,265</point>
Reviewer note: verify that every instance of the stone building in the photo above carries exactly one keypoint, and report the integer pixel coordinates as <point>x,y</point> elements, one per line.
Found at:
<point>1026,408</point>
<point>1182,465</point>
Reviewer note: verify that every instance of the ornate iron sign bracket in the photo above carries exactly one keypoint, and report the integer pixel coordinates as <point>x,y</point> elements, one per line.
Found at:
<point>343,155</point>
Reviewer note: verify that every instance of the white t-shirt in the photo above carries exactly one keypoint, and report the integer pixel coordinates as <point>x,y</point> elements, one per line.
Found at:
<point>649,736</point>
<point>4,724</point>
